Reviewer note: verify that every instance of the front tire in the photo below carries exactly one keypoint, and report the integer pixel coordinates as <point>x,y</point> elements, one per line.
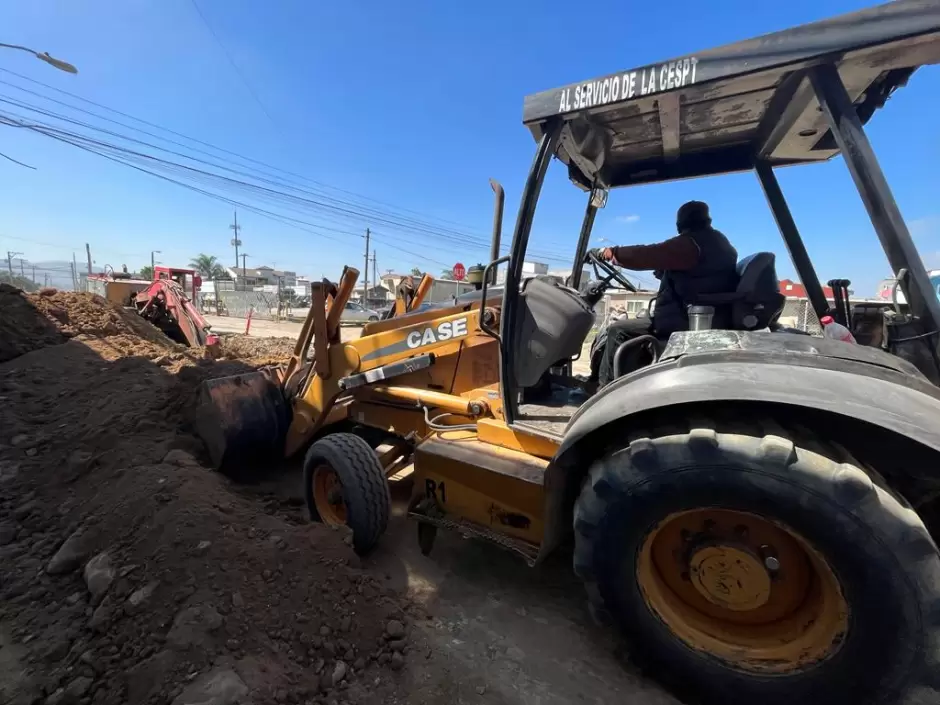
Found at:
<point>750,568</point>
<point>344,484</point>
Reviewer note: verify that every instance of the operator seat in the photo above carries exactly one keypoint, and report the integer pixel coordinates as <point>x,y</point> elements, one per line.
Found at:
<point>757,302</point>
<point>552,323</point>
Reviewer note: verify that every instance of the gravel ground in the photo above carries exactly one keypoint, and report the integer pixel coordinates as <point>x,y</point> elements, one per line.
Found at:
<point>133,574</point>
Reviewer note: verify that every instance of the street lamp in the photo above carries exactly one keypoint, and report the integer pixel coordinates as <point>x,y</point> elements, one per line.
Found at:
<point>44,56</point>
<point>153,262</point>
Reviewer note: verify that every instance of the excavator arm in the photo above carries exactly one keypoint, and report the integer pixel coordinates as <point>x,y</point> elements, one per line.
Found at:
<point>165,304</point>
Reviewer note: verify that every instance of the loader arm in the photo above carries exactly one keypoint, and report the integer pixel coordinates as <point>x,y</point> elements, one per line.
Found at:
<point>382,353</point>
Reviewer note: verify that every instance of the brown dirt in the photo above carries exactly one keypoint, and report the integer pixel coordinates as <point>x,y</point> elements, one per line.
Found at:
<point>206,579</point>
<point>257,351</point>
<point>51,316</point>
<point>21,330</point>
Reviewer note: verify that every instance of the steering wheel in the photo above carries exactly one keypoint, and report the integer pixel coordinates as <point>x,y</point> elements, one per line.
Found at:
<point>612,272</point>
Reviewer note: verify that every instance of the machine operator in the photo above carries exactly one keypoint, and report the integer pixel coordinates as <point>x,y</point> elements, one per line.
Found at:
<point>699,260</point>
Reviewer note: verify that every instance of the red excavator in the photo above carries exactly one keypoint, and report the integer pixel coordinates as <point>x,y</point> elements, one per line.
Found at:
<point>167,302</point>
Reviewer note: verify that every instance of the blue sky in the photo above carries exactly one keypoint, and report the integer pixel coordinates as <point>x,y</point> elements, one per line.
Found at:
<point>416,104</point>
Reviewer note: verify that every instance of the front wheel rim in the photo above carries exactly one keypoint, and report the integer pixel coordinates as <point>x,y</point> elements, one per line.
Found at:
<point>743,589</point>
<point>328,496</point>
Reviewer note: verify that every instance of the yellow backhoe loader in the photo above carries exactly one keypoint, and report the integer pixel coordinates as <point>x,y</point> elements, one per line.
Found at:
<point>748,508</point>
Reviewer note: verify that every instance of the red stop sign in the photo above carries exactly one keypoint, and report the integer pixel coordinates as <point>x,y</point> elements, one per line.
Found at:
<point>459,271</point>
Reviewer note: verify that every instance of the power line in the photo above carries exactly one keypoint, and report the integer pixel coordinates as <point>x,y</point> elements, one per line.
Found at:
<point>465,237</point>
<point>75,139</point>
<point>231,61</point>
<point>202,142</point>
<point>9,158</point>
<point>343,208</point>
<point>336,208</point>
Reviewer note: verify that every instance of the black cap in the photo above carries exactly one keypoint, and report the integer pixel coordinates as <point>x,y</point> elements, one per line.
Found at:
<point>692,214</point>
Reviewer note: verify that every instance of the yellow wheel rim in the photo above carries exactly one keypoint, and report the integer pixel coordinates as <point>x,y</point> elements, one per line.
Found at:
<point>328,496</point>
<point>743,589</point>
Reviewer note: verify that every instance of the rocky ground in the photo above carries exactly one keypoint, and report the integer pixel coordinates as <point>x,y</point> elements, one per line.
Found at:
<point>257,350</point>
<point>132,574</point>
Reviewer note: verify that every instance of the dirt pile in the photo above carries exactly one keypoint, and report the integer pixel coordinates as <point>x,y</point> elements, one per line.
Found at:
<point>21,330</point>
<point>131,574</point>
<point>257,351</point>
<point>49,317</point>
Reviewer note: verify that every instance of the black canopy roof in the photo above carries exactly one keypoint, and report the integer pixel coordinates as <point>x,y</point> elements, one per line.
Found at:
<point>716,111</point>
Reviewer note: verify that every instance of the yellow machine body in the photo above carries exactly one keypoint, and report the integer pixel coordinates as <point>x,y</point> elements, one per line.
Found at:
<point>482,478</point>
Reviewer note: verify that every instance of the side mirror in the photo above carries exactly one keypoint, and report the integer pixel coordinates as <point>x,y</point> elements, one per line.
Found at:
<point>599,197</point>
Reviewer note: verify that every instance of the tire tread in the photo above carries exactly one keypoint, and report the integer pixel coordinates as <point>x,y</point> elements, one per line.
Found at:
<point>365,488</point>
<point>784,450</point>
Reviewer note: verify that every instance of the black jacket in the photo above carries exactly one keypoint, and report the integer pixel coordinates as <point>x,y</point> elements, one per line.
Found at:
<point>715,272</point>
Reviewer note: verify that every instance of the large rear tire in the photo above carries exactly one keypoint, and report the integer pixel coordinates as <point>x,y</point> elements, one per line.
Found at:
<point>344,484</point>
<point>766,568</point>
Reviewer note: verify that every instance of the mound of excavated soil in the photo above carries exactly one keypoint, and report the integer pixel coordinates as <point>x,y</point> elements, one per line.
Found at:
<point>257,351</point>
<point>22,328</point>
<point>130,573</point>
<point>49,317</point>
<point>78,313</point>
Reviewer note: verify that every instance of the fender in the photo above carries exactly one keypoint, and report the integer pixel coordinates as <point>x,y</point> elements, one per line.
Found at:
<point>863,384</point>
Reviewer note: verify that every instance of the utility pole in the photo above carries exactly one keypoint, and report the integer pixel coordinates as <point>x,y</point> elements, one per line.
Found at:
<point>74,272</point>
<point>34,274</point>
<point>365,281</point>
<point>88,255</point>
<point>10,256</point>
<point>375,277</point>
<point>243,268</point>
<point>236,243</point>
<point>46,281</point>
<point>22,269</point>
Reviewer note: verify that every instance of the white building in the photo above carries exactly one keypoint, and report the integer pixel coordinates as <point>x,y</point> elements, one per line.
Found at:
<point>250,277</point>
<point>529,270</point>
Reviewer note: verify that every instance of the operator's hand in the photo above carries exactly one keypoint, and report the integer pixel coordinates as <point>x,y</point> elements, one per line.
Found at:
<point>605,254</point>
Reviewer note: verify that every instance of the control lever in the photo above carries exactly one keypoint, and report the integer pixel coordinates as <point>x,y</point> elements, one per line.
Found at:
<point>841,312</point>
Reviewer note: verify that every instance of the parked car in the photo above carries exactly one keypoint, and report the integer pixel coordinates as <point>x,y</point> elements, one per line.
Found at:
<point>356,313</point>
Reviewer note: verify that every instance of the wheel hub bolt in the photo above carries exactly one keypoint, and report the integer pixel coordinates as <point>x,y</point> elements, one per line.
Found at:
<point>772,564</point>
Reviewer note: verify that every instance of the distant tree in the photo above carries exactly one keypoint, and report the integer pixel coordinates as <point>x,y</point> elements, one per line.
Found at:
<point>146,272</point>
<point>207,265</point>
<point>447,274</point>
<point>415,272</point>
<point>220,272</point>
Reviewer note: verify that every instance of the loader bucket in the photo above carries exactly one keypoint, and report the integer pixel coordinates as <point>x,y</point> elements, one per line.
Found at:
<point>243,421</point>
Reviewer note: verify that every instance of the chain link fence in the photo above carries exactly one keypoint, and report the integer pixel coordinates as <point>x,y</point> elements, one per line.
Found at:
<point>261,304</point>
<point>799,313</point>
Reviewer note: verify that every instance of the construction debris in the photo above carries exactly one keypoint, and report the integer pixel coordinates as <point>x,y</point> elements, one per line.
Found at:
<point>133,574</point>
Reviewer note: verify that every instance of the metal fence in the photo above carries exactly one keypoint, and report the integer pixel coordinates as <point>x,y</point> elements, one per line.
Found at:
<point>799,313</point>
<point>238,304</point>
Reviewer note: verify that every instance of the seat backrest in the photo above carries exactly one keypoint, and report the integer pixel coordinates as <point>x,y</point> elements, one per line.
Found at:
<point>758,303</point>
<point>551,325</point>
